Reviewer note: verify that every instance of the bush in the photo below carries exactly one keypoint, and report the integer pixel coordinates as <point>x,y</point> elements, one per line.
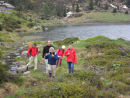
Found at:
<point>126,12</point>
<point>30,25</point>
<point>1,28</point>
<point>113,51</point>
<point>114,10</point>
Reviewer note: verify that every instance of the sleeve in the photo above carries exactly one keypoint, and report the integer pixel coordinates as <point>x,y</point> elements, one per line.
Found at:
<point>56,57</point>
<point>43,52</point>
<point>46,57</point>
<point>75,57</point>
<point>66,53</point>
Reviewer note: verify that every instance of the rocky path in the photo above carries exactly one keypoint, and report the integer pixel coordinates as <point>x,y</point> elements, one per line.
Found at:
<point>19,50</point>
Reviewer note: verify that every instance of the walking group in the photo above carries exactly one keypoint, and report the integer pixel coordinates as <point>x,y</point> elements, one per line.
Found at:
<point>53,58</point>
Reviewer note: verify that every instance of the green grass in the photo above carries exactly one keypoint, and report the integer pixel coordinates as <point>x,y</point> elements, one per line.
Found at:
<point>106,17</point>
<point>112,64</point>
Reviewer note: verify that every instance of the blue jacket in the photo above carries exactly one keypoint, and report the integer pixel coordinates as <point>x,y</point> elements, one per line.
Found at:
<point>52,60</point>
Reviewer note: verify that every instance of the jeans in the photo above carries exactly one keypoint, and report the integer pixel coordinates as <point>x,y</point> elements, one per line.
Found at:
<point>70,67</point>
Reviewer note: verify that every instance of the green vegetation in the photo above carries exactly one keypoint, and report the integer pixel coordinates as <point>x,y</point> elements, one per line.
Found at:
<point>14,21</point>
<point>102,71</point>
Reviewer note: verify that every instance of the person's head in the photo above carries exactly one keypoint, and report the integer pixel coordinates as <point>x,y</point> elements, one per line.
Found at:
<point>51,50</point>
<point>34,45</point>
<point>49,43</point>
<point>63,47</point>
<point>70,46</point>
<point>29,44</point>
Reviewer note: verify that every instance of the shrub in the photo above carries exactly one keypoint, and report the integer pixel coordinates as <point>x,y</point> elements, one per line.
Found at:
<point>30,25</point>
<point>1,28</point>
<point>114,10</point>
<point>126,12</point>
<point>113,51</point>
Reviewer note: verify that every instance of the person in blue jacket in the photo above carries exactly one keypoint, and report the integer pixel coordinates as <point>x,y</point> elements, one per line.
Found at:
<point>52,58</point>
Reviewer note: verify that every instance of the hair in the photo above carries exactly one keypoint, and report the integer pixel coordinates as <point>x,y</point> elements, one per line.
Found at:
<point>51,48</point>
<point>49,41</point>
<point>35,44</point>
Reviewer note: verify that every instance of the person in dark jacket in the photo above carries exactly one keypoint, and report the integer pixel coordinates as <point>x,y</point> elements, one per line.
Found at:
<point>52,58</point>
<point>46,51</point>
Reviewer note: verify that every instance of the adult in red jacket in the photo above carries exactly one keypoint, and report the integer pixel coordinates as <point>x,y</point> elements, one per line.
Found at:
<point>60,53</point>
<point>70,53</point>
<point>33,53</point>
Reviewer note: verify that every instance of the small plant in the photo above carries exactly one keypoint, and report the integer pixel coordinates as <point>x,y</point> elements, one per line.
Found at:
<point>116,66</point>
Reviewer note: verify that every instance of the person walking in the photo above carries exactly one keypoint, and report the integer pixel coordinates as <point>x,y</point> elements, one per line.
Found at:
<point>46,51</point>
<point>70,53</point>
<point>33,53</point>
<point>60,53</point>
<point>52,58</point>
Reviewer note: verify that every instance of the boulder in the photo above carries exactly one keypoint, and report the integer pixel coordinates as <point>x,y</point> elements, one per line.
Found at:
<point>21,69</point>
<point>27,72</point>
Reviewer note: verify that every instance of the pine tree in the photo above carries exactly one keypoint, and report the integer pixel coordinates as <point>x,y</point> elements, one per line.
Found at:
<point>91,5</point>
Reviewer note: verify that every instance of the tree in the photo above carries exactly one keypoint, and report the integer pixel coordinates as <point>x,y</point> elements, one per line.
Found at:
<point>77,8</point>
<point>106,7</point>
<point>45,11</point>
<point>114,10</point>
<point>91,5</point>
<point>128,3</point>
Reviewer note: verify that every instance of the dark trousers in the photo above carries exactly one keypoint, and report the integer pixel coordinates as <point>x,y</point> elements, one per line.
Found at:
<point>70,67</point>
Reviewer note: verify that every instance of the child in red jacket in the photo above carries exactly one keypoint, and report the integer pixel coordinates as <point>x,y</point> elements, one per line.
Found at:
<point>60,54</point>
<point>70,53</point>
<point>33,53</point>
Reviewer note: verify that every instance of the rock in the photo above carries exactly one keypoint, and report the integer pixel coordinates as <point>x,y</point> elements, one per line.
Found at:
<point>12,72</point>
<point>27,72</point>
<point>13,68</point>
<point>20,63</point>
<point>21,69</point>
<point>30,67</point>
<point>4,62</point>
<point>24,53</point>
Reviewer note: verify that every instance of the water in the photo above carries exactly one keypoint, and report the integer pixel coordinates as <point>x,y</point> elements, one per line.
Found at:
<point>83,32</point>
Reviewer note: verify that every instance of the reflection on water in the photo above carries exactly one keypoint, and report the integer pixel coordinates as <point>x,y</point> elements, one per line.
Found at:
<point>83,32</point>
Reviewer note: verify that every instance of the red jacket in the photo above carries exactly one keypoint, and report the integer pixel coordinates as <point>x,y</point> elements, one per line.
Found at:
<point>33,51</point>
<point>29,50</point>
<point>71,55</point>
<point>60,52</point>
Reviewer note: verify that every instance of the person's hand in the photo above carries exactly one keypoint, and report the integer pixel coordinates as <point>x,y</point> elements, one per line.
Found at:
<point>46,54</point>
<point>43,59</point>
<point>52,55</point>
<point>68,53</point>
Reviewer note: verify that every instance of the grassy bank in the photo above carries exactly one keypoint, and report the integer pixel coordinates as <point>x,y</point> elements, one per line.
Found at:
<point>106,17</point>
<point>102,71</point>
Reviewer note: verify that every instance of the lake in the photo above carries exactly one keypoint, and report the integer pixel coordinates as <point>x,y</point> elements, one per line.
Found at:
<point>112,31</point>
